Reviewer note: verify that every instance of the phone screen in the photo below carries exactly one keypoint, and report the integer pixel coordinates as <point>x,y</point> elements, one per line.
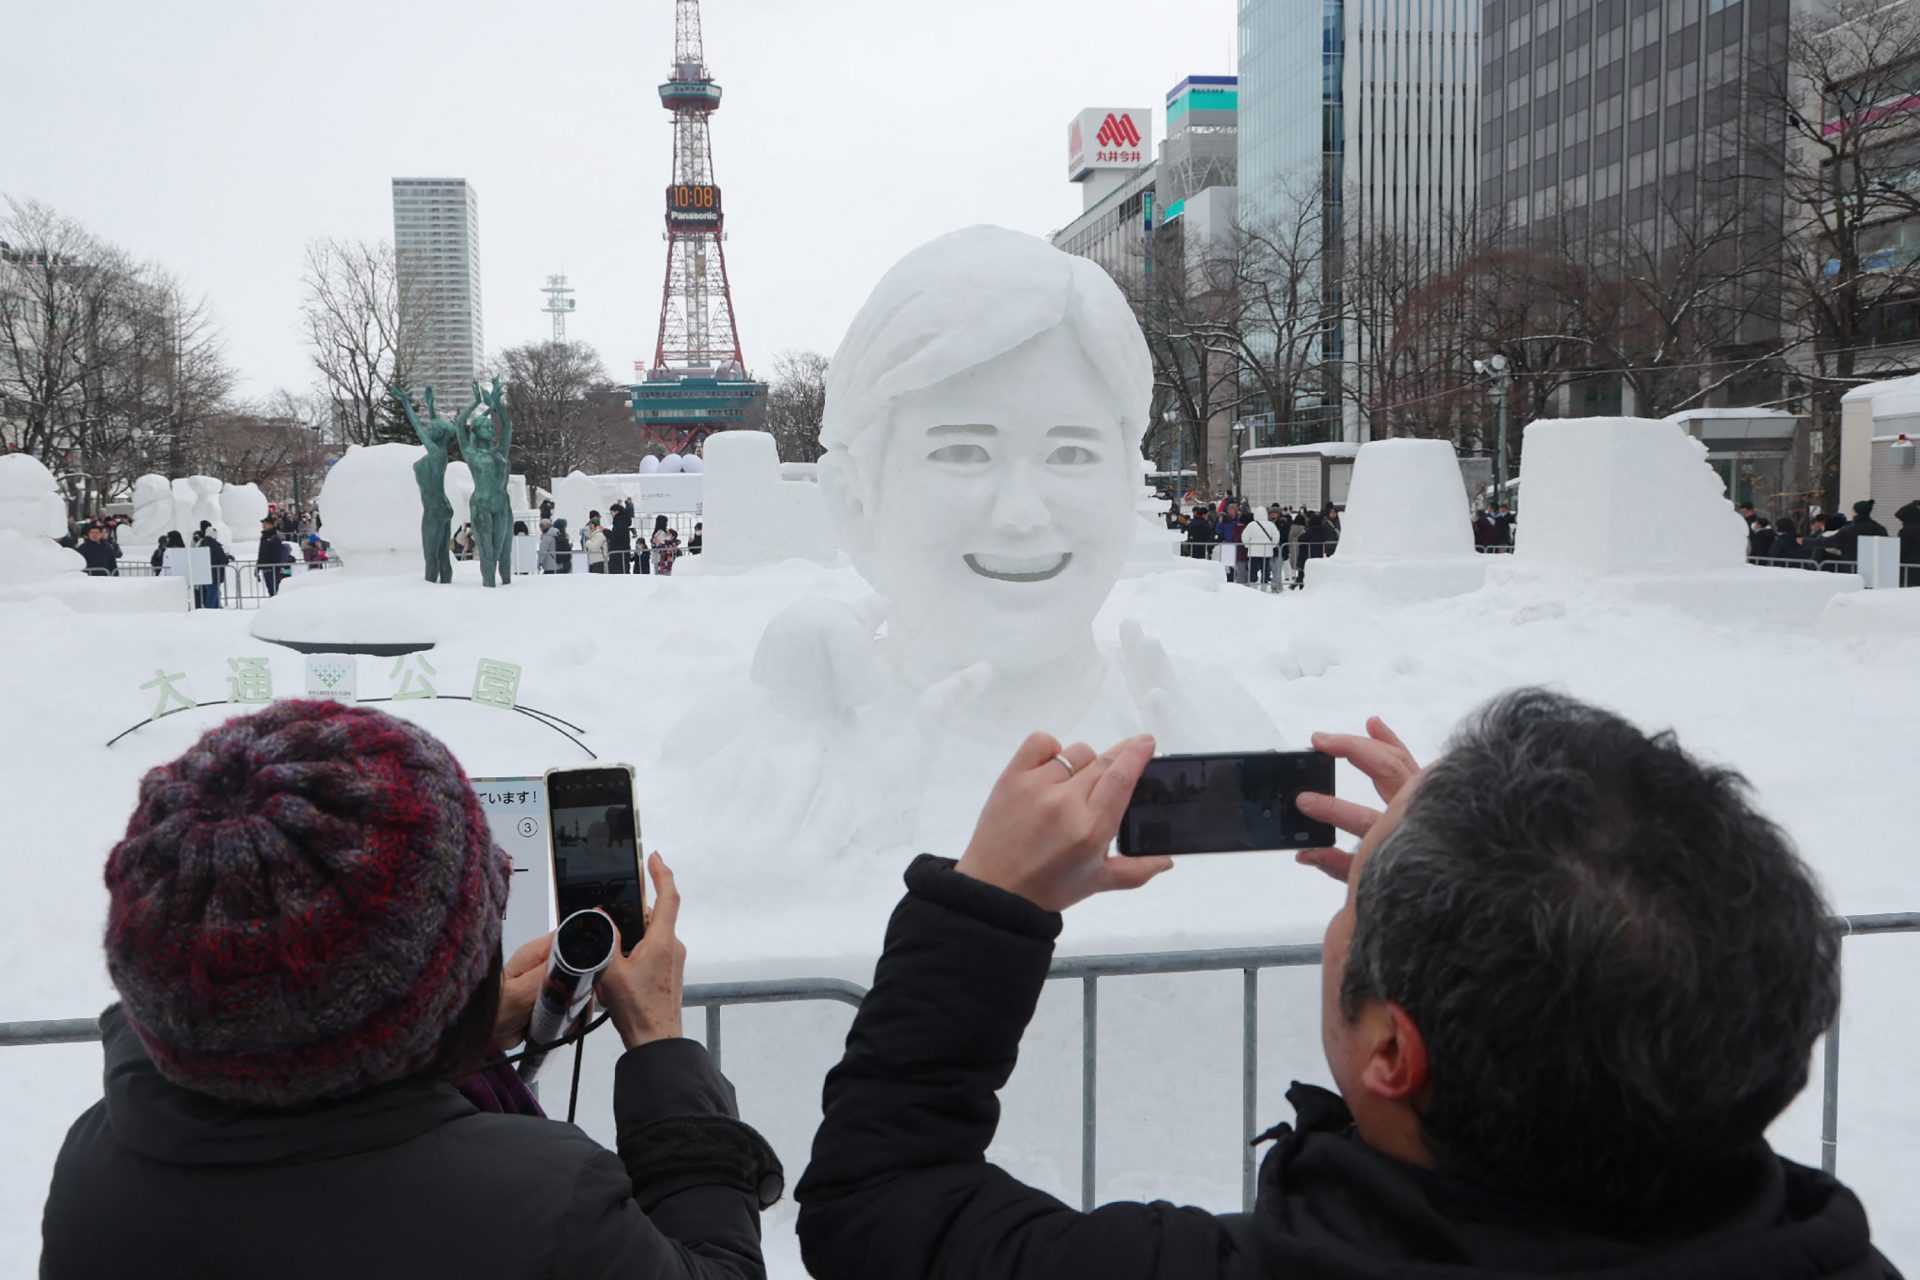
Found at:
<point>1226,804</point>
<point>596,847</point>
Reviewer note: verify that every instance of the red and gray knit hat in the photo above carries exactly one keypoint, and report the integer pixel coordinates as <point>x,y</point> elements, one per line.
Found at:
<point>303,904</point>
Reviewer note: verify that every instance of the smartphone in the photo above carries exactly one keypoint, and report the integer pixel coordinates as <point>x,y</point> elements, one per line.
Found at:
<point>1228,803</point>
<point>593,846</point>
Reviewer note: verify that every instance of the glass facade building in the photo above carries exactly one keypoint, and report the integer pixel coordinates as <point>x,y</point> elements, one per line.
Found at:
<point>1371,108</point>
<point>436,242</point>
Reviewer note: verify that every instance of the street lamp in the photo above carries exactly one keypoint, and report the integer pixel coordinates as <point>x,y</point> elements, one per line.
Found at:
<point>1495,367</point>
<point>1239,431</point>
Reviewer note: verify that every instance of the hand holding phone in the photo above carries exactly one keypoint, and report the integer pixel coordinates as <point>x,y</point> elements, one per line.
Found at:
<point>1046,827</point>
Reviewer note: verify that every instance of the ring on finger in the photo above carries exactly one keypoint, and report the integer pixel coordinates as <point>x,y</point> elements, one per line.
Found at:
<point>1066,764</point>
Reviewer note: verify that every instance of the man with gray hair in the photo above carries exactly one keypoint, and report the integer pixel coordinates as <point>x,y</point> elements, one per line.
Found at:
<point>1575,978</point>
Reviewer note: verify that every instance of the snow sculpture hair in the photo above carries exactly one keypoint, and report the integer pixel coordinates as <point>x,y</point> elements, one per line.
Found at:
<point>956,303</point>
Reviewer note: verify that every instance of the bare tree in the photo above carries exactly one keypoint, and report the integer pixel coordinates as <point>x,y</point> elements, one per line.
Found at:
<point>1182,296</point>
<point>355,320</point>
<point>796,403</point>
<point>567,415</point>
<point>1829,124</point>
<point>107,367</point>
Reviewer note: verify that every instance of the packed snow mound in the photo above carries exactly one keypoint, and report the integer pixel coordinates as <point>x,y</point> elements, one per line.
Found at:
<point>154,515</point>
<point>197,498</point>
<point>371,506</point>
<point>1622,495</point>
<point>573,498</point>
<point>1876,625</point>
<point>243,507</point>
<point>32,557</point>
<point>753,515</point>
<point>1406,502</point>
<point>30,501</point>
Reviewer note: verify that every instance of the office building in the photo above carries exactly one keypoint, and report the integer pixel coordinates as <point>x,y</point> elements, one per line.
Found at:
<point>436,240</point>
<point>1369,107</point>
<point>1168,211</point>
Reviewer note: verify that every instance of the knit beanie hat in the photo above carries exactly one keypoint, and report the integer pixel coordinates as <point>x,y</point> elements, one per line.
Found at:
<point>1863,508</point>
<point>303,905</point>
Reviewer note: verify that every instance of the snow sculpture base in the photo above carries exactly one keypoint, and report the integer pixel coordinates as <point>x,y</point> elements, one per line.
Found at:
<point>754,515</point>
<point>1407,580</point>
<point>1875,625</point>
<point>105,595</point>
<point>337,610</point>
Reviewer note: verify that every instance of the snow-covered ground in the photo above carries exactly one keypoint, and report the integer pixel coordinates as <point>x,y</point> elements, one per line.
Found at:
<point>1824,733</point>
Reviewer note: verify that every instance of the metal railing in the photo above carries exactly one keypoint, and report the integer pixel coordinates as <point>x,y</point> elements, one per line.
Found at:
<point>713,997</point>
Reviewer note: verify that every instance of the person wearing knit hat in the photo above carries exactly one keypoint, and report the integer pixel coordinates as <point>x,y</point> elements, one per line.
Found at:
<point>304,932</point>
<point>1843,542</point>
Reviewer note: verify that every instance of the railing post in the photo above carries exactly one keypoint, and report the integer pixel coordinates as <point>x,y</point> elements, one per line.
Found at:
<point>1089,1053</point>
<point>1249,1079</point>
<point>713,1034</point>
<point>1830,1107</point>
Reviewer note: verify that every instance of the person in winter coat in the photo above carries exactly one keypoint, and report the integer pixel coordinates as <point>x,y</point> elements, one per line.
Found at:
<point>594,542</point>
<point>1200,535</point>
<point>1316,541</point>
<point>218,558</point>
<point>1909,518</point>
<point>1787,543</point>
<point>1821,549</point>
<point>1485,1120</point>
<point>1232,553</point>
<point>556,550</point>
<point>620,538</point>
<point>1296,534</point>
<point>1760,537</point>
<point>1261,539</point>
<point>666,545</point>
<point>1844,542</point>
<point>100,553</point>
<point>272,557</point>
<point>305,1105</point>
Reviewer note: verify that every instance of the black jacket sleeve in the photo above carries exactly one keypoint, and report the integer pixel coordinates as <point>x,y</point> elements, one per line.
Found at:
<point>694,1183</point>
<point>899,1184</point>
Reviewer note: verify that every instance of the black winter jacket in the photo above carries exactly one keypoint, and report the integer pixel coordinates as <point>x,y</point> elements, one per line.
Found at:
<point>409,1179</point>
<point>900,1187</point>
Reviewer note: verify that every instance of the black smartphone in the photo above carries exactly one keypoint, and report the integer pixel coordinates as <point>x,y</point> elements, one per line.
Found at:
<point>1228,803</point>
<point>593,843</point>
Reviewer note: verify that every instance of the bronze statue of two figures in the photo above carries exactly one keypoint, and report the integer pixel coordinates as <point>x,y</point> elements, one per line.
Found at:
<point>485,434</point>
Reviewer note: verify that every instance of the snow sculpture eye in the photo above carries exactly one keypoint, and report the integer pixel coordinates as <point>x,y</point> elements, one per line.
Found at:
<point>1072,455</point>
<point>961,454</point>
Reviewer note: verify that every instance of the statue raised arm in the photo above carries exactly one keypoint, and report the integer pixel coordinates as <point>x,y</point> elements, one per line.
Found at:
<point>406,403</point>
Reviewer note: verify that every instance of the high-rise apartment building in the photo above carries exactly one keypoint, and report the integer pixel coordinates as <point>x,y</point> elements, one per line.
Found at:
<point>1371,108</point>
<point>436,240</point>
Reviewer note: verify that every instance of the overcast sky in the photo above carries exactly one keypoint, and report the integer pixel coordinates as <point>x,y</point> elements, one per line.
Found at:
<point>218,138</point>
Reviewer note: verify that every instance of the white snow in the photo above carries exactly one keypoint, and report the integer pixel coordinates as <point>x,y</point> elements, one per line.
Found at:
<point>154,514</point>
<point>573,498</point>
<point>753,515</point>
<point>242,507</point>
<point>197,498</point>
<point>1328,449</point>
<point>371,505</point>
<point>1634,494</point>
<point>32,515</point>
<point>1405,502</point>
<point>1796,712</point>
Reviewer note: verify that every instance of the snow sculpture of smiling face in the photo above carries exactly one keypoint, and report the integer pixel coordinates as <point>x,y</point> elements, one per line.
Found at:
<point>982,423</point>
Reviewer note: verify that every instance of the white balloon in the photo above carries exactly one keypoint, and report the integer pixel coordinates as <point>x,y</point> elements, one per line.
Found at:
<point>692,465</point>
<point>672,464</point>
<point>649,465</point>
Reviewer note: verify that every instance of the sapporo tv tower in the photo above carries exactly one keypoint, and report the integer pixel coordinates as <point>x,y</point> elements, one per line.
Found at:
<point>698,381</point>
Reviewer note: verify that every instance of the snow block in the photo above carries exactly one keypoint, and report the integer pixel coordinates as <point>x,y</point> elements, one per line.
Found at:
<point>1874,624</point>
<point>371,505</point>
<point>1623,495</point>
<point>106,595</point>
<point>1406,532</point>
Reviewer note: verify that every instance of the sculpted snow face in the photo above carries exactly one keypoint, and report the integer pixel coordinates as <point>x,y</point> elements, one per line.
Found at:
<point>983,423</point>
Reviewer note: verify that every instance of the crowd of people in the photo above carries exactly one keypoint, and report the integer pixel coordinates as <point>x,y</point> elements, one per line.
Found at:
<point>611,545</point>
<point>288,535</point>
<point>1809,538</point>
<point>1267,549</point>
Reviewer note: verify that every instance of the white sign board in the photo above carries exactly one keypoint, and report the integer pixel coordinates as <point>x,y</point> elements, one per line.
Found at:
<point>516,811</point>
<point>333,676</point>
<point>656,493</point>
<point>1109,138</point>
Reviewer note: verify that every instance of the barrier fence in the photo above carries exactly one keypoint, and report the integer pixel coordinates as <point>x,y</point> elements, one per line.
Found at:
<point>714,997</point>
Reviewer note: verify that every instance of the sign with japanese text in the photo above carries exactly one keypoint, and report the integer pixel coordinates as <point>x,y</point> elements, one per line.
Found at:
<point>1109,138</point>
<point>516,811</point>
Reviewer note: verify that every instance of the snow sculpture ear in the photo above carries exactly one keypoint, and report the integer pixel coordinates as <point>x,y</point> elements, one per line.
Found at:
<point>846,510</point>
